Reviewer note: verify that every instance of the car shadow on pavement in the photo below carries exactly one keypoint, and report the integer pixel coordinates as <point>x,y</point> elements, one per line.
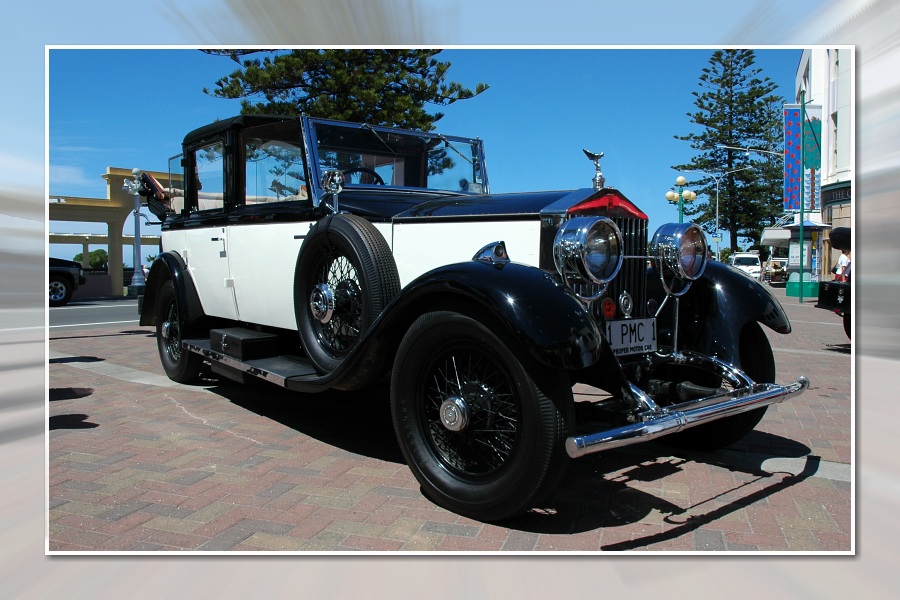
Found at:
<point>357,422</point>
<point>616,489</point>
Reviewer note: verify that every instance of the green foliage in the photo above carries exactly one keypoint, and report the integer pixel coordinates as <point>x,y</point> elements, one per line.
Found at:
<point>374,86</point>
<point>736,107</point>
<point>97,259</point>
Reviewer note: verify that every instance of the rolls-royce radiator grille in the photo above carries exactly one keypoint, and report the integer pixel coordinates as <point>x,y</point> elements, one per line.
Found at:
<point>632,278</point>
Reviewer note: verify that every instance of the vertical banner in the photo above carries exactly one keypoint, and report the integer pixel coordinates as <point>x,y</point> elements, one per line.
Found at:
<point>795,176</point>
<point>793,172</point>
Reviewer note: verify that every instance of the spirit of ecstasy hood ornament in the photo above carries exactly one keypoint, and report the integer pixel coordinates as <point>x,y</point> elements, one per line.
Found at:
<point>599,180</point>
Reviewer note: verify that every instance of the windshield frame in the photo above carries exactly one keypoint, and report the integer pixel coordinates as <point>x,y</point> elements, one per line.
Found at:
<point>382,136</point>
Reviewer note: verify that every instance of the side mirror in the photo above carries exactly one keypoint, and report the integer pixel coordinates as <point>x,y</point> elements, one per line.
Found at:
<point>333,183</point>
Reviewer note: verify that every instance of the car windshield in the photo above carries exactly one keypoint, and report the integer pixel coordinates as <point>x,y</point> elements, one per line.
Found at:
<point>746,261</point>
<point>380,156</point>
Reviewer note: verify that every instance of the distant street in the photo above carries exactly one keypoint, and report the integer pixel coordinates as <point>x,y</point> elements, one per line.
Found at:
<point>93,313</point>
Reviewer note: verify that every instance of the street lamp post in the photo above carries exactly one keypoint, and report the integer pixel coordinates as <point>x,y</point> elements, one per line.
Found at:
<point>133,187</point>
<point>681,196</point>
<point>719,178</point>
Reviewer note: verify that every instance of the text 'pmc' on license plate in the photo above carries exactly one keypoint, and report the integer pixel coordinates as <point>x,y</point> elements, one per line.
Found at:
<point>631,336</point>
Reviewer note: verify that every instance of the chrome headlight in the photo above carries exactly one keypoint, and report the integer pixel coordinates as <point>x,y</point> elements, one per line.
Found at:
<point>680,249</point>
<point>588,250</point>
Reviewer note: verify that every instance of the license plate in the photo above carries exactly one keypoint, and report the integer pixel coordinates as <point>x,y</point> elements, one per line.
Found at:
<point>631,336</point>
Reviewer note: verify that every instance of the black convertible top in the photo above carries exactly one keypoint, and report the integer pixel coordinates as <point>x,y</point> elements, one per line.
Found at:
<point>239,122</point>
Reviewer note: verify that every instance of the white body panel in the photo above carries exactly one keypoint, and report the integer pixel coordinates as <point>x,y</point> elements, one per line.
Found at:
<point>263,259</point>
<point>246,272</point>
<point>420,247</point>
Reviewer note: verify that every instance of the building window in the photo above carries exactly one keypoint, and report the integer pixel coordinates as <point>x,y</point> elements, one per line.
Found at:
<point>834,141</point>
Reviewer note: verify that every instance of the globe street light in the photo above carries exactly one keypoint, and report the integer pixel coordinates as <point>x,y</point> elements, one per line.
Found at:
<point>133,186</point>
<point>681,196</point>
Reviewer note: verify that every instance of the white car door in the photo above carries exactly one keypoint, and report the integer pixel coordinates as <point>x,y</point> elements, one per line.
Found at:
<point>204,239</point>
<point>265,233</point>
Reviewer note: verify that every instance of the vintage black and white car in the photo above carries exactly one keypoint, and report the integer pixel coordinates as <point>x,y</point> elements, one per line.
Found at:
<point>319,255</point>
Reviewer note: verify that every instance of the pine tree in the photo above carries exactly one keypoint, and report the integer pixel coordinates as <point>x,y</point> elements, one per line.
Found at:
<point>736,107</point>
<point>374,86</point>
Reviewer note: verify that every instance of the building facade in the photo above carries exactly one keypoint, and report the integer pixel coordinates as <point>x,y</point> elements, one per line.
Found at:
<point>826,77</point>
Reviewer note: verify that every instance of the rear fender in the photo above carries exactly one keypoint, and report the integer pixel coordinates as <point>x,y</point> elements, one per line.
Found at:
<point>169,266</point>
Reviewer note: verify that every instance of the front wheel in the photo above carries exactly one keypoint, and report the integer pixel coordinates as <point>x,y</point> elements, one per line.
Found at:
<point>479,433</point>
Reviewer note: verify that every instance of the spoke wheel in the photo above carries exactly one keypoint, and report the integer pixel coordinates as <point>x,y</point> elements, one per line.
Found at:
<point>471,412</point>
<point>478,432</point>
<point>345,276</point>
<point>336,304</point>
<point>179,364</point>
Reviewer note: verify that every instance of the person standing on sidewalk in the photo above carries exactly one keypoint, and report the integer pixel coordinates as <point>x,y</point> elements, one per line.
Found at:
<point>844,264</point>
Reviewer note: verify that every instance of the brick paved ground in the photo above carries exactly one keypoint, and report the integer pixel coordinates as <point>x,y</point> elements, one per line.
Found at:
<point>138,463</point>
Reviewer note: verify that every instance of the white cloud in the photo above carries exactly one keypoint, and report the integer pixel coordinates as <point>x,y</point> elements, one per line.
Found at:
<point>66,179</point>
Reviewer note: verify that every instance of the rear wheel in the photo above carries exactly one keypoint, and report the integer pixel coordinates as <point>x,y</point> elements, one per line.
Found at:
<point>483,438</point>
<point>758,362</point>
<point>180,364</point>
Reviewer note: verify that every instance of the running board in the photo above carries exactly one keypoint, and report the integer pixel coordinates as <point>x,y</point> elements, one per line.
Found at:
<point>280,370</point>
<point>663,421</point>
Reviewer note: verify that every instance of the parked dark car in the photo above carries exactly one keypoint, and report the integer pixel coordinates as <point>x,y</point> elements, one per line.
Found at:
<point>65,277</point>
<point>318,255</point>
<point>835,295</point>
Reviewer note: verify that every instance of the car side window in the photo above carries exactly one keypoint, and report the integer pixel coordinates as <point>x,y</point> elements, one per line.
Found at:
<point>209,177</point>
<point>274,172</point>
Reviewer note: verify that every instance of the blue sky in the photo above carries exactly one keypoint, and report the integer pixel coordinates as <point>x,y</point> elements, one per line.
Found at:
<point>131,107</point>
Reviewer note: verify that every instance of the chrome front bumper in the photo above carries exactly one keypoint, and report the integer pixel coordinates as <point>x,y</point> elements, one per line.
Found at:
<point>654,421</point>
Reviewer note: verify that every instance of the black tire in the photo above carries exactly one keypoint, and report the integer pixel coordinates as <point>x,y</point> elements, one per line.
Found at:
<point>508,450</point>
<point>179,364</point>
<point>847,324</point>
<point>758,362</point>
<point>345,276</point>
<point>60,291</point>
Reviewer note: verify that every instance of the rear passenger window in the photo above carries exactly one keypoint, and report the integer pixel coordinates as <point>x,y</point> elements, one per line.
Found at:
<point>209,162</point>
<point>275,169</point>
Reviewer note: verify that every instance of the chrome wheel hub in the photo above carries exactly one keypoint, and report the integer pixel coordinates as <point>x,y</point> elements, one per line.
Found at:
<point>454,414</point>
<point>321,303</point>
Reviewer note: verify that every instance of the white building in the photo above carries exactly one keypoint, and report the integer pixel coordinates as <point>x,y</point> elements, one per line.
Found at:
<point>826,75</point>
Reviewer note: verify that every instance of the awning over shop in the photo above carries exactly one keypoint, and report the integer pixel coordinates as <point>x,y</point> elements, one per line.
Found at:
<point>775,236</point>
<point>808,224</point>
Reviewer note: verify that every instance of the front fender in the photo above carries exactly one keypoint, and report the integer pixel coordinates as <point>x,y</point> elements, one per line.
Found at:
<point>526,305</point>
<point>717,307</point>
